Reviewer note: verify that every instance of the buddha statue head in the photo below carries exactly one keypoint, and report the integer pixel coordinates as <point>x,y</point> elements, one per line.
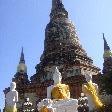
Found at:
<point>88,77</point>
<point>12,86</point>
<point>82,94</point>
<point>57,76</point>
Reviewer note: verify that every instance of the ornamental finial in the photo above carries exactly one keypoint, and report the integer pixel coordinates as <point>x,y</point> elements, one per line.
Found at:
<point>22,60</point>
<point>106,46</point>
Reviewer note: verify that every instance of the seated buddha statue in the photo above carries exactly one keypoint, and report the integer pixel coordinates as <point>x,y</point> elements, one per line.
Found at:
<point>58,90</point>
<point>58,97</point>
<point>90,89</point>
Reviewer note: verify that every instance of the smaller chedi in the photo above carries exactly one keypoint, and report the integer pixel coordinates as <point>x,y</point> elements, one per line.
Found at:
<point>11,99</point>
<point>90,89</point>
<point>58,97</point>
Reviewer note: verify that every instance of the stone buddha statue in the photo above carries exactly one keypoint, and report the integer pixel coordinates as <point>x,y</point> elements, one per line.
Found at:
<point>58,90</point>
<point>58,97</point>
<point>11,99</point>
<point>90,89</point>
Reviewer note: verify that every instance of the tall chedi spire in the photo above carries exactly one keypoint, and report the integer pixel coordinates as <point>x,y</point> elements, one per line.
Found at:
<point>21,76</point>
<point>60,31</point>
<point>62,47</point>
<point>107,65</point>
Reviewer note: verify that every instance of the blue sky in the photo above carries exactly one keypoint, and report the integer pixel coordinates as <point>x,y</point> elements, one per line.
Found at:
<point>22,23</point>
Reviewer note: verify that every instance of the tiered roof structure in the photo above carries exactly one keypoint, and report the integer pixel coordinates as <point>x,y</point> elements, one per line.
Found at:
<point>21,77</point>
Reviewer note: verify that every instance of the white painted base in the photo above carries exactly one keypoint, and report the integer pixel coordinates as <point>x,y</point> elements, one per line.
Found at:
<point>69,105</point>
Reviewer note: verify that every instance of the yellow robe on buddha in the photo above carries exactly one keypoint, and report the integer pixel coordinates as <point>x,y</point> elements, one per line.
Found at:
<point>10,109</point>
<point>60,91</point>
<point>44,109</point>
<point>90,89</point>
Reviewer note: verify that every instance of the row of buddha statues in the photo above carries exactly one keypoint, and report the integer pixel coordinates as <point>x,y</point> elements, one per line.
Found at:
<point>58,96</point>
